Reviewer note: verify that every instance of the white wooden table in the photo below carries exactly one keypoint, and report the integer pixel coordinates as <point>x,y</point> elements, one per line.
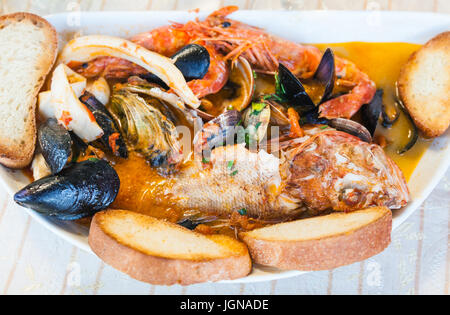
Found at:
<point>35,261</point>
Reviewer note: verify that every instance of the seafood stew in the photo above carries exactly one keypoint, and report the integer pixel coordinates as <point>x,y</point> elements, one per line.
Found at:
<point>222,128</point>
<point>231,143</point>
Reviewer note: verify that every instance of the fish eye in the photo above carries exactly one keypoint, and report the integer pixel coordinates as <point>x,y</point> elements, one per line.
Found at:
<point>226,24</point>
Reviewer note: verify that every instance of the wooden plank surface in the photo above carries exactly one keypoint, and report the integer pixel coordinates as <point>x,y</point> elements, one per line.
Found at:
<point>35,261</point>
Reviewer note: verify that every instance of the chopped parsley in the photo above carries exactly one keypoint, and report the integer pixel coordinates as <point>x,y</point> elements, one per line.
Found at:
<point>324,127</point>
<point>230,165</point>
<point>279,88</point>
<point>205,161</point>
<point>93,159</point>
<point>243,211</point>
<point>234,173</point>
<point>258,107</point>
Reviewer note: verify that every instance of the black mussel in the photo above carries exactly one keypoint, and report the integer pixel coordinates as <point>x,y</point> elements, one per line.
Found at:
<point>218,132</point>
<point>390,115</point>
<point>351,127</point>
<point>293,90</point>
<point>78,191</point>
<point>413,132</point>
<point>326,74</point>
<point>313,118</point>
<point>78,146</point>
<point>111,139</point>
<point>370,113</point>
<point>189,224</point>
<point>192,60</point>
<point>56,145</point>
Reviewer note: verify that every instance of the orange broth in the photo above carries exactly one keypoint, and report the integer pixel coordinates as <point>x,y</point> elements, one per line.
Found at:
<point>143,190</point>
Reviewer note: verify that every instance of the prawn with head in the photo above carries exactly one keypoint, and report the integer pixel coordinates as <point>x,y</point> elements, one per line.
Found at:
<point>227,39</point>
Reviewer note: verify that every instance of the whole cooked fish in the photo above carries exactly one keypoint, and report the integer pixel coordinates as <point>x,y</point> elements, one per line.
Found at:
<point>331,170</point>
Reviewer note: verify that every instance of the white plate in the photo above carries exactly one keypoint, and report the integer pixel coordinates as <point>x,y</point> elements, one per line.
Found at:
<point>310,27</point>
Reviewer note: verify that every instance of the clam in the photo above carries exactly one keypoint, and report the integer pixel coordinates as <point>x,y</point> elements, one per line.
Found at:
<point>192,60</point>
<point>76,192</point>
<point>256,120</point>
<point>218,132</point>
<point>111,139</point>
<point>351,127</point>
<point>146,130</point>
<point>237,93</point>
<point>278,116</point>
<point>56,145</point>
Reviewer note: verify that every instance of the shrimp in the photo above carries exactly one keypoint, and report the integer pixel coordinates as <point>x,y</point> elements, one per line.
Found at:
<point>326,171</point>
<point>228,39</point>
<point>265,52</point>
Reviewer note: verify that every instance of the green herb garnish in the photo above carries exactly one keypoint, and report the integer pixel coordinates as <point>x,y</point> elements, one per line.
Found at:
<point>258,107</point>
<point>205,161</point>
<point>243,211</point>
<point>234,173</point>
<point>93,159</point>
<point>230,165</point>
<point>324,127</point>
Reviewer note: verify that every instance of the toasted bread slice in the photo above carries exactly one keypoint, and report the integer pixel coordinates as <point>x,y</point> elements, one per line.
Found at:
<point>158,252</point>
<point>424,86</point>
<point>28,48</point>
<point>321,243</point>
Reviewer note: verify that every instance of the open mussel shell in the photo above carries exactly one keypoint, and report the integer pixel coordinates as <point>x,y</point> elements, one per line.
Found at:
<point>78,191</point>
<point>326,74</point>
<point>351,127</point>
<point>111,139</point>
<point>256,120</point>
<point>370,113</point>
<point>313,118</point>
<point>390,114</point>
<point>192,60</point>
<point>56,145</point>
<point>218,132</point>
<point>237,93</point>
<point>294,91</point>
<point>413,132</point>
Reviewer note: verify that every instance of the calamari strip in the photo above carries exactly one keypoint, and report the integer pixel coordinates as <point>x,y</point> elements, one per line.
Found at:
<point>68,109</point>
<point>87,48</point>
